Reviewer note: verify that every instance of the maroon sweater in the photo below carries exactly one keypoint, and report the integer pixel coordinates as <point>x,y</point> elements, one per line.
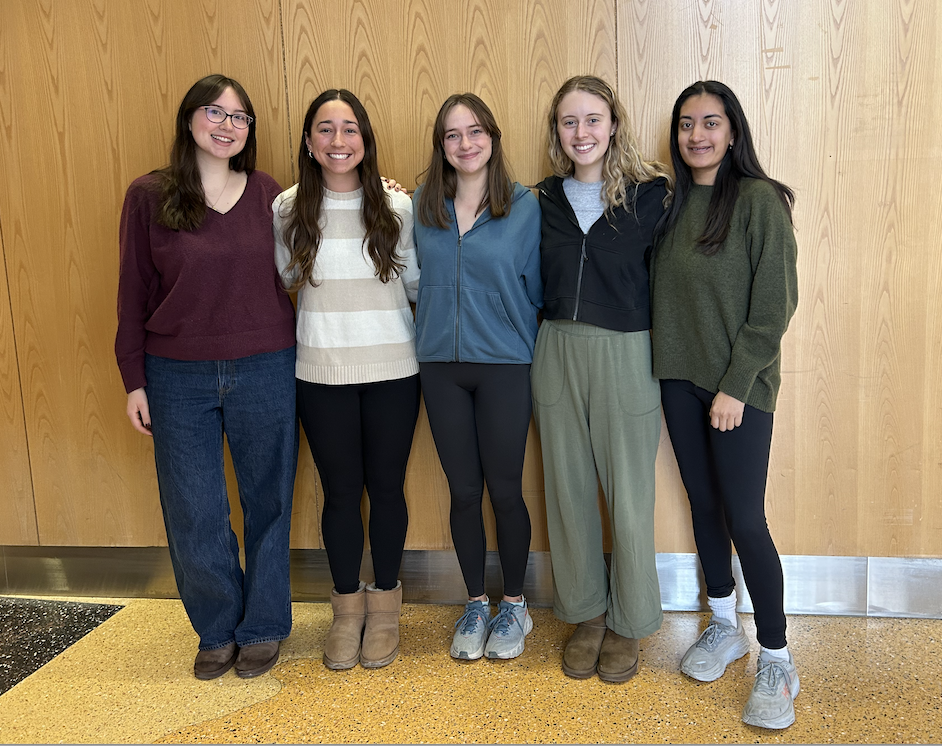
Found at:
<point>209,294</point>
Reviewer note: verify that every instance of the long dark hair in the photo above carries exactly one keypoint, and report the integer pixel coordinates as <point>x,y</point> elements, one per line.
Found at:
<point>182,201</point>
<point>740,161</point>
<point>441,181</point>
<point>302,231</point>
<point>623,165</point>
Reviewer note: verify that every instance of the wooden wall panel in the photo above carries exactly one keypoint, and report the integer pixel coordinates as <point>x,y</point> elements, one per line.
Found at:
<point>403,60</point>
<point>18,526</point>
<point>94,87</point>
<point>840,98</point>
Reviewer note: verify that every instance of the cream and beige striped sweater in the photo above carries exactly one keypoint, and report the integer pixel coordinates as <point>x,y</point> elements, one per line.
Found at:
<point>352,328</point>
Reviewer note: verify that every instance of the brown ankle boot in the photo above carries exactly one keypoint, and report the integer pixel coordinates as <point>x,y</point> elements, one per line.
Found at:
<point>342,649</point>
<point>381,636</point>
<point>618,658</point>
<point>582,651</point>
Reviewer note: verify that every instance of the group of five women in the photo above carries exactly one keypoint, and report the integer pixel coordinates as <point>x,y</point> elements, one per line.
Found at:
<point>655,292</point>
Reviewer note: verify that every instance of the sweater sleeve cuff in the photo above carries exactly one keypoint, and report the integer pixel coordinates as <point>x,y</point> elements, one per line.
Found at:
<point>737,383</point>
<point>133,376</point>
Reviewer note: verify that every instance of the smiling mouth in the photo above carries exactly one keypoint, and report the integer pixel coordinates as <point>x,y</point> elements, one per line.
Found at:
<point>703,149</point>
<point>338,156</point>
<point>220,138</point>
<point>583,148</point>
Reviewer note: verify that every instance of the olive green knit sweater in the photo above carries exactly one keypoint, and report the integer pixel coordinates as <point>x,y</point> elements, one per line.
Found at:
<point>718,321</point>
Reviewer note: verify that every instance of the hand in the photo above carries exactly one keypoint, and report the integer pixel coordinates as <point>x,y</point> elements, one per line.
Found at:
<point>392,185</point>
<point>139,411</point>
<point>726,412</point>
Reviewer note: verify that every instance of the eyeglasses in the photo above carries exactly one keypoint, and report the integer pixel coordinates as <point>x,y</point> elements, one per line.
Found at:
<point>217,116</point>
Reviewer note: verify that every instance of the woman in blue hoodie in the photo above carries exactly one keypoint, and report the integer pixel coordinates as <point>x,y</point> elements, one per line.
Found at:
<point>477,236</point>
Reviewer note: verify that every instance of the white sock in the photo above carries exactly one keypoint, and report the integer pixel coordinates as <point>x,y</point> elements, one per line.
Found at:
<point>780,655</point>
<point>724,608</point>
<point>521,602</point>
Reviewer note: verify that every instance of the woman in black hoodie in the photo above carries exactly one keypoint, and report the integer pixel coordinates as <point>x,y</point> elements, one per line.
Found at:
<point>595,400</point>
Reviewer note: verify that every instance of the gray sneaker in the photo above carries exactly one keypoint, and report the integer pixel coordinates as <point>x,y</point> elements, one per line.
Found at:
<point>508,628</point>
<point>772,702</point>
<point>471,631</point>
<point>718,646</point>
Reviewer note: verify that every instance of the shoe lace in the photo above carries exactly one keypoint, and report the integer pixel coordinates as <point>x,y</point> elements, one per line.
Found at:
<point>468,622</point>
<point>711,636</point>
<point>769,677</point>
<point>500,624</point>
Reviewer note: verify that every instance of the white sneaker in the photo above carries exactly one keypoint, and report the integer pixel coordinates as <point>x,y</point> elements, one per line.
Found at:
<point>719,645</point>
<point>508,630</point>
<point>471,631</point>
<point>772,702</point>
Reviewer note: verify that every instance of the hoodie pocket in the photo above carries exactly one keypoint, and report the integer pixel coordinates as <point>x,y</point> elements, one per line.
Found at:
<point>435,323</point>
<point>486,333</point>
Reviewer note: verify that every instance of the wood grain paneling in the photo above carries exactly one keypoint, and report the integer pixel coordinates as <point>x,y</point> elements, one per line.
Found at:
<point>841,98</point>
<point>94,86</point>
<point>403,60</point>
<point>18,526</point>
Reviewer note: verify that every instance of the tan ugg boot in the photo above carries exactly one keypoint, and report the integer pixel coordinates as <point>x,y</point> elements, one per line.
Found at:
<point>618,658</point>
<point>582,651</point>
<point>381,636</point>
<point>342,649</point>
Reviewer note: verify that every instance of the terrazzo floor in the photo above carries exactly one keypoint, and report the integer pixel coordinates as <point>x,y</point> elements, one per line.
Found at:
<point>130,681</point>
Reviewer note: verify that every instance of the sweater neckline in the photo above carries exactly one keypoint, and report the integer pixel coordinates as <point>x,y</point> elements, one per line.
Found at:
<point>343,196</point>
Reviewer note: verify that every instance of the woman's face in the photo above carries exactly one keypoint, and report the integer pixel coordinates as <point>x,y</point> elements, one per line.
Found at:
<point>466,143</point>
<point>336,144</point>
<point>585,128</point>
<point>219,140</point>
<point>704,134</point>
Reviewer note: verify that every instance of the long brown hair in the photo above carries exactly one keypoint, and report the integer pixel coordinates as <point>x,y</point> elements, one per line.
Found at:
<point>441,181</point>
<point>302,231</point>
<point>182,203</point>
<point>623,165</point>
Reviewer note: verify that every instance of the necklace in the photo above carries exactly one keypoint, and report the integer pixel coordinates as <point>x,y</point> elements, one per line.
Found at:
<point>224,186</point>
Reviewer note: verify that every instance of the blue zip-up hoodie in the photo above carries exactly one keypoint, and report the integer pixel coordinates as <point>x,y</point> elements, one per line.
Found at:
<point>479,294</point>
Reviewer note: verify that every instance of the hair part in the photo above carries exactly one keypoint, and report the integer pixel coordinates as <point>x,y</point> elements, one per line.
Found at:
<point>303,231</point>
<point>740,161</point>
<point>182,203</point>
<point>623,165</point>
<point>441,179</point>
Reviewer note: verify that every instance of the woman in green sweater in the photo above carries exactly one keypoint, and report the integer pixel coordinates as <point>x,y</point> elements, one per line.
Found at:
<point>724,287</point>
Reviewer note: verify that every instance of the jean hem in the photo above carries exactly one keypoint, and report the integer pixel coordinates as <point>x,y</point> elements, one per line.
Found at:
<point>261,640</point>
<point>216,647</point>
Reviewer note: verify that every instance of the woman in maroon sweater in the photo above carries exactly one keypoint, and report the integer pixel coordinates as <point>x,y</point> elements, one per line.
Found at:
<point>205,345</point>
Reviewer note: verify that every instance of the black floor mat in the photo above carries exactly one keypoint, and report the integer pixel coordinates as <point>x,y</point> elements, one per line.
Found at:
<point>34,631</point>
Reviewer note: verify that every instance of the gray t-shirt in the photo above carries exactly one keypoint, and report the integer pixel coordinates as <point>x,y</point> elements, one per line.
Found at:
<point>586,201</point>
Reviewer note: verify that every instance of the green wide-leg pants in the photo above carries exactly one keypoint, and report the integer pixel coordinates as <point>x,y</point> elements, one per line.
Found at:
<point>597,409</point>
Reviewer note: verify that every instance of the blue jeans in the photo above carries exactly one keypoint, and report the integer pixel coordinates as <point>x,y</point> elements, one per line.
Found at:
<point>252,401</point>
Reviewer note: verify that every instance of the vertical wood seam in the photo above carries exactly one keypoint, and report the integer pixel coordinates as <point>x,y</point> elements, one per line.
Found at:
<point>284,74</point>
<point>19,381</point>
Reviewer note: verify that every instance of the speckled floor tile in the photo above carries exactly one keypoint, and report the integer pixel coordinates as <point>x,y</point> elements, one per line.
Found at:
<point>862,681</point>
<point>33,631</point>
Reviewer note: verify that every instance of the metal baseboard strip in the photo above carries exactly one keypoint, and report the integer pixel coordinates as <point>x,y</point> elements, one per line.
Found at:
<point>839,586</point>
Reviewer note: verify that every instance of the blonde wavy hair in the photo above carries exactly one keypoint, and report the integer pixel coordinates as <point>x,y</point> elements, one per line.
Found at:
<point>623,165</point>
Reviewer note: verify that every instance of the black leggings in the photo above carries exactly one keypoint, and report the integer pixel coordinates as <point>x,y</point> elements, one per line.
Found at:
<point>361,435</point>
<point>480,415</point>
<point>725,476</point>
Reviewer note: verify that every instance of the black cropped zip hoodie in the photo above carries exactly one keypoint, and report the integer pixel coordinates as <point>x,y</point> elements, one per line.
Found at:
<point>599,277</point>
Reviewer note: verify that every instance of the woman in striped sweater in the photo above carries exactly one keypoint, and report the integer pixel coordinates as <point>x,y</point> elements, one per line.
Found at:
<point>344,244</point>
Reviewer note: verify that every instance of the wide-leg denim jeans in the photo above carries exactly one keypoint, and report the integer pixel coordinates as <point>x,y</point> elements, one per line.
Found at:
<point>251,401</point>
